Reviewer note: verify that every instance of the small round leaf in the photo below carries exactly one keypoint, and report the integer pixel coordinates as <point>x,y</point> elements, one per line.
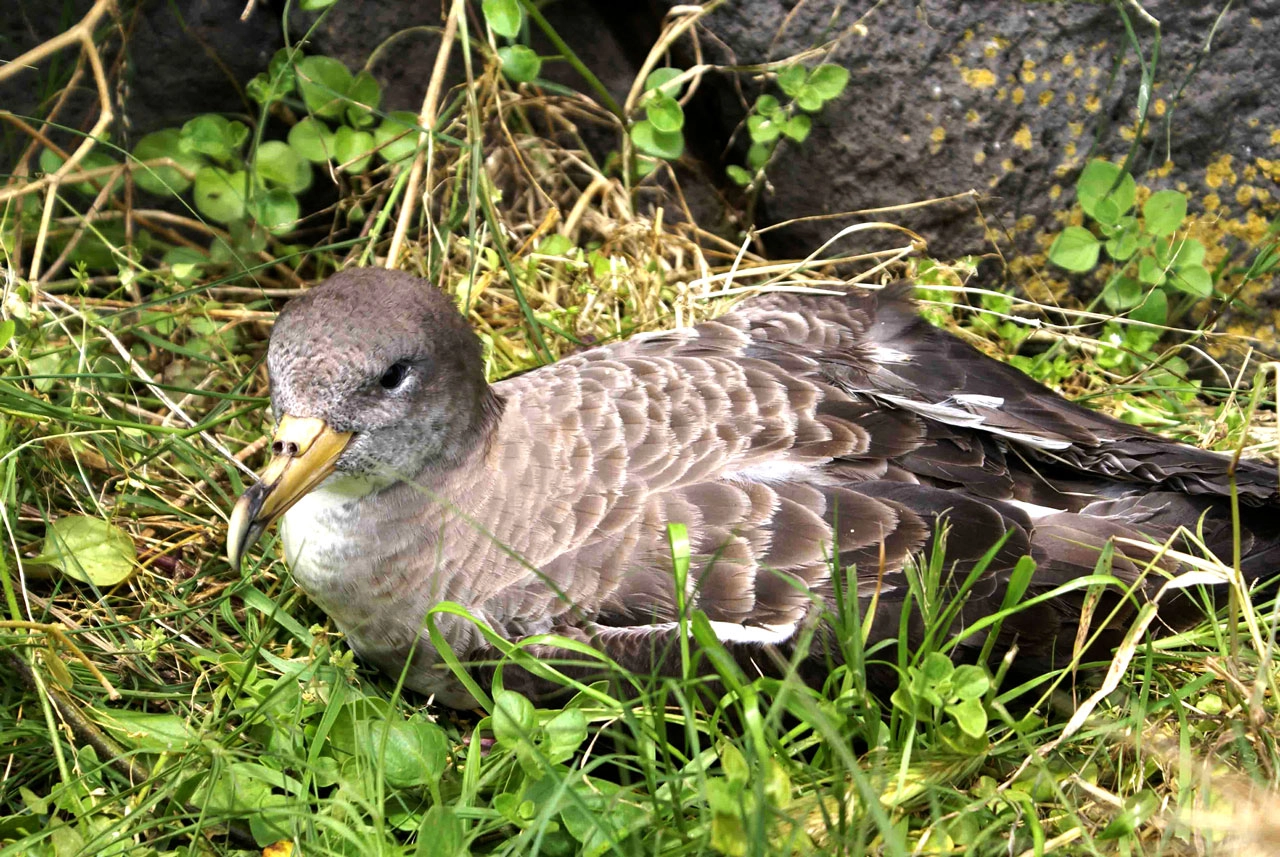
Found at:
<point>164,180</point>
<point>324,82</point>
<point>312,139</point>
<point>1075,249</point>
<point>397,136</point>
<point>280,165</point>
<point>219,194</point>
<point>1164,211</point>
<point>665,113</point>
<point>503,16</point>
<point>651,141</point>
<point>829,80</point>
<point>352,149</point>
<point>660,77</point>
<point>519,63</point>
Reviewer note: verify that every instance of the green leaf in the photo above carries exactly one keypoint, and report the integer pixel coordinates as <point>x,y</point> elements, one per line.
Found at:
<point>1188,251</point>
<point>970,682</point>
<point>219,194</point>
<point>413,752</point>
<point>276,209</point>
<point>1075,249</point>
<point>353,149</point>
<point>660,77</point>
<point>1193,279</point>
<point>397,136</point>
<point>1096,182</point>
<point>664,113</point>
<point>791,78</point>
<point>758,155</point>
<point>829,80</point>
<point>1164,211</point>
<point>555,245</point>
<point>565,733</point>
<point>503,17</point>
<point>7,328</point>
<point>970,716</point>
<point>763,129</point>
<point>1153,310</point>
<point>936,668</point>
<point>650,141</point>
<point>1137,810</point>
<point>315,5</point>
<point>215,136</point>
<point>1150,271</point>
<point>767,105</point>
<point>442,833</point>
<point>89,550</point>
<point>49,162</point>
<point>365,95</point>
<point>797,128</point>
<point>810,99</point>
<point>147,731</point>
<point>1107,212</point>
<point>187,265</point>
<point>312,139</point>
<point>519,63</point>
<point>738,175</point>
<point>323,83</point>
<point>1123,242</point>
<point>1122,293</point>
<point>278,164</point>
<point>164,180</point>
<point>513,718</point>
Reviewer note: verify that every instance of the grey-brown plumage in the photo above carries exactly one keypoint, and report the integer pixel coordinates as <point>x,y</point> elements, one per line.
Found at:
<point>793,427</point>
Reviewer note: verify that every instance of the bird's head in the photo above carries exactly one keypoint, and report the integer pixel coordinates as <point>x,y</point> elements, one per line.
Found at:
<point>374,374</point>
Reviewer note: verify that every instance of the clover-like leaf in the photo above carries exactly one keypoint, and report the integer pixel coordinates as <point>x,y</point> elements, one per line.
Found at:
<point>650,141</point>
<point>353,149</point>
<point>664,113</point>
<point>513,719</point>
<point>323,83</point>
<point>503,16</point>
<point>397,136</point>
<point>519,63</point>
<point>970,716</point>
<point>280,165</point>
<point>1076,249</point>
<point>1164,211</point>
<point>829,80</point>
<point>1101,180</point>
<point>220,194</point>
<point>791,78</point>
<point>1193,279</point>
<point>312,139</point>
<point>797,128</point>
<point>659,79</point>
<point>1122,293</point>
<point>163,180</point>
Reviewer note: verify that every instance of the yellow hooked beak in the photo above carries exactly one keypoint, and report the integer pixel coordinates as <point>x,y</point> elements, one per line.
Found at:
<point>304,450</point>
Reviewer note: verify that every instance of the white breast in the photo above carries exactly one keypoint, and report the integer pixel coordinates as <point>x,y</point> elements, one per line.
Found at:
<point>318,532</point>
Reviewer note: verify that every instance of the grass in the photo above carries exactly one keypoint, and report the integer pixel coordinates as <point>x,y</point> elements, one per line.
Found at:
<point>234,719</point>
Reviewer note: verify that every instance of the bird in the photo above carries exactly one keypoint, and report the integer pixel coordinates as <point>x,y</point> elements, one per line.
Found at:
<point>805,442</point>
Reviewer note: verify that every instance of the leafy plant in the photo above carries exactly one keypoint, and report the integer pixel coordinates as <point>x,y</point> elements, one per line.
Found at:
<point>506,18</point>
<point>771,121</point>
<point>251,184</point>
<point>661,133</point>
<point>1153,264</point>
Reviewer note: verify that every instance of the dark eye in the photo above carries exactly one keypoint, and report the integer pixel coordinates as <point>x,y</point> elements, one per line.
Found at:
<point>394,376</point>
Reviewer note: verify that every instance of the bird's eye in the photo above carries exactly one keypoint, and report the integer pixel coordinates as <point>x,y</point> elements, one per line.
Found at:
<point>394,376</point>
